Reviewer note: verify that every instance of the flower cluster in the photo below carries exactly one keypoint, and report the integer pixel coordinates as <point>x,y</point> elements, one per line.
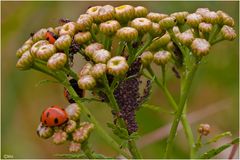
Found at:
<point>117,43</point>
<point>72,130</point>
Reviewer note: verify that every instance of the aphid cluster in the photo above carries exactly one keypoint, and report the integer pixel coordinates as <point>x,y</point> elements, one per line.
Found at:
<point>64,125</point>
<point>117,43</point>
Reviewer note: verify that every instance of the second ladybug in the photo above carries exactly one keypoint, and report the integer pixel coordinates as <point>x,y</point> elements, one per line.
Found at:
<point>54,116</point>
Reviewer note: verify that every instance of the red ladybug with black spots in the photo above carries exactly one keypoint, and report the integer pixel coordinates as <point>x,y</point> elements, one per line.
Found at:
<point>54,116</point>
<point>51,37</point>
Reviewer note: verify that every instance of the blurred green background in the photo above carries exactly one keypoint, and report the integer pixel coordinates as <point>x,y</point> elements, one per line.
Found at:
<point>22,101</point>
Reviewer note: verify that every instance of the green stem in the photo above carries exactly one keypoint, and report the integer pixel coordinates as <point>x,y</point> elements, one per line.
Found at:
<point>92,119</point>
<point>120,48</point>
<point>87,150</point>
<point>146,44</point>
<point>185,87</point>
<point>132,145</point>
<point>94,37</point>
<point>216,29</point>
<point>71,73</point>
<point>174,39</point>
<point>163,75</point>
<point>173,103</point>
<point>134,150</point>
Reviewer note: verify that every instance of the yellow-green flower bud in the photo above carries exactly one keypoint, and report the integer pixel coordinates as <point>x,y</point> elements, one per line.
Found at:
<point>90,49</point>
<point>29,42</point>
<point>146,58</point>
<point>25,62</point>
<point>228,33</point>
<point>117,65</point>
<point>171,46</point>
<point>106,12</point>
<point>140,11</point>
<point>59,137</point>
<point>73,111</point>
<point>44,131</point>
<point>194,19</point>
<point>74,147</point>
<point>210,17</point>
<point>101,56</point>
<point>53,30</point>
<point>93,11</point>
<point>127,34</point>
<point>82,37</point>
<point>186,37</point>
<point>180,16</point>
<point>204,129</point>
<point>161,57</point>
<point>83,132</point>
<point>23,49</point>
<point>202,11</point>
<point>200,47</point>
<point>124,13</point>
<point>143,25</point>
<point>110,27</point>
<point>205,27</point>
<point>40,35</point>
<point>159,42</point>
<point>98,70</point>
<point>46,51</point>
<point>57,61</point>
<point>68,29</point>
<point>57,29</point>
<point>225,19</point>
<point>156,17</point>
<point>86,82</point>
<point>63,42</point>
<point>84,22</point>
<point>176,30</point>
<point>70,126</point>
<point>85,69</point>
<point>168,22</point>
<point>156,30</point>
<point>37,45</point>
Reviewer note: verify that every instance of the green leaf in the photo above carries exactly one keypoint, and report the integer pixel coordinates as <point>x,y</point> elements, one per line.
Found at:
<point>45,81</point>
<point>219,136</point>
<point>134,136</point>
<point>72,155</point>
<point>124,144</point>
<point>120,132</point>
<point>216,151</point>
<point>100,156</point>
<point>156,108</point>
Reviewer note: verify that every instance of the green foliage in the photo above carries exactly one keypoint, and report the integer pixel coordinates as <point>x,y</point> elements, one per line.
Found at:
<point>216,151</point>
<point>219,136</point>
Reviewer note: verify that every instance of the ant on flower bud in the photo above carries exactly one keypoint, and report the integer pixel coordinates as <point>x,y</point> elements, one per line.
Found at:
<point>64,20</point>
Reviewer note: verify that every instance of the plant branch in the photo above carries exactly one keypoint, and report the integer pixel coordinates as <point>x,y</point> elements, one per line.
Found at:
<point>132,146</point>
<point>185,88</point>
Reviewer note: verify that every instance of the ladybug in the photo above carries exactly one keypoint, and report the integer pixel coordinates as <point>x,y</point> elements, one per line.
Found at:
<point>80,92</point>
<point>54,116</point>
<point>51,37</point>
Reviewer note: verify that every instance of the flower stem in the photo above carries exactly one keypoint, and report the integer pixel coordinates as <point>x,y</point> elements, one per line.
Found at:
<point>87,150</point>
<point>173,103</point>
<point>131,144</point>
<point>92,119</point>
<point>185,87</point>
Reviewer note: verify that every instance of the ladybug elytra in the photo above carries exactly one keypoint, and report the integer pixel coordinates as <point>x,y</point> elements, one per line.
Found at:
<point>51,37</point>
<point>54,116</point>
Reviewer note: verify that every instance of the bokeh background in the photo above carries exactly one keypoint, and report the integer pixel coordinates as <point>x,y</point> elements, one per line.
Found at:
<point>214,95</point>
